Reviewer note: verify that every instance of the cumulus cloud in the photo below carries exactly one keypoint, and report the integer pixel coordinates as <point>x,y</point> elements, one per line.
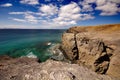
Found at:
<point>71,14</point>
<point>86,16</point>
<point>70,11</point>
<point>89,1</point>
<point>100,2</point>
<point>87,8</point>
<point>28,17</point>
<point>87,5</point>
<point>52,15</point>
<point>31,18</point>
<point>68,14</point>
<point>107,7</point>
<point>6,5</point>
<point>48,9</point>
<point>30,2</point>
<point>115,1</point>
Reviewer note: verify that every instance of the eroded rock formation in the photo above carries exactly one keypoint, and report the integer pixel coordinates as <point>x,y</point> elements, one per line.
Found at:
<point>97,48</point>
<point>29,69</point>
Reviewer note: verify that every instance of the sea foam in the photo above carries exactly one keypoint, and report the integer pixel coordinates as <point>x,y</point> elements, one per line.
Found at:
<point>31,55</point>
<point>49,43</point>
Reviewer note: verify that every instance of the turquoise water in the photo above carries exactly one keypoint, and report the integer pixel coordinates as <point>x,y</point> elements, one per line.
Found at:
<point>30,43</point>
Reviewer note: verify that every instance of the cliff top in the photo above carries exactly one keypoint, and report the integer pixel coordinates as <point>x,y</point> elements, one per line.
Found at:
<point>110,28</point>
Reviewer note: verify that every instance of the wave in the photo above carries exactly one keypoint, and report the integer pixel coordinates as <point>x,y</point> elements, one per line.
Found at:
<point>49,43</point>
<point>56,52</point>
<point>31,55</point>
<point>42,51</point>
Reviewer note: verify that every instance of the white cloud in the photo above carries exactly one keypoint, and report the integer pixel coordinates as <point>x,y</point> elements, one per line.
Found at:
<point>101,2</point>
<point>53,16</point>
<point>23,13</point>
<point>108,8</point>
<point>115,1</point>
<point>60,0</point>
<point>16,13</point>
<point>6,5</point>
<point>30,2</point>
<point>64,16</point>
<point>18,20</point>
<point>87,8</point>
<point>18,26</point>
<point>67,23</point>
<point>72,8</point>
<point>89,1</point>
<point>30,18</point>
<point>86,17</point>
<point>54,0</point>
<point>48,9</point>
<point>68,14</point>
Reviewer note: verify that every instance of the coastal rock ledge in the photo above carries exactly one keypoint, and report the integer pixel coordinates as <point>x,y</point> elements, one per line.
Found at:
<point>29,69</point>
<point>97,48</point>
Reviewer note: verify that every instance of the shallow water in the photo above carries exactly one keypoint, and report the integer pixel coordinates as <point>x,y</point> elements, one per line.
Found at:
<point>31,43</point>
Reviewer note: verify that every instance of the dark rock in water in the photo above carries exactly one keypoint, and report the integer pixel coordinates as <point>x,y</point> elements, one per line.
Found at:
<point>97,48</point>
<point>29,69</point>
<point>57,54</point>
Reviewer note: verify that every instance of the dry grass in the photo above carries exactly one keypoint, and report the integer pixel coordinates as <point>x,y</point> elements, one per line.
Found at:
<point>100,28</point>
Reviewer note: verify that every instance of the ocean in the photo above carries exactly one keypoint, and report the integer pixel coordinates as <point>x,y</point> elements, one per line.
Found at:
<point>33,43</point>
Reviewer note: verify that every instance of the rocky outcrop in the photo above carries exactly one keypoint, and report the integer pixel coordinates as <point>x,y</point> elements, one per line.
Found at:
<point>97,48</point>
<point>69,46</point>
<point>29,69</point>
<point>56,53</point>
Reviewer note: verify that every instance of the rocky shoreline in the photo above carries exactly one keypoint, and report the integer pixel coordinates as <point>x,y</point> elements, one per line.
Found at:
<point>93,51</point>
<point>29,69</point>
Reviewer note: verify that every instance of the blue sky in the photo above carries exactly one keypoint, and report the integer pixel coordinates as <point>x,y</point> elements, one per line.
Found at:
<point>57,14</point>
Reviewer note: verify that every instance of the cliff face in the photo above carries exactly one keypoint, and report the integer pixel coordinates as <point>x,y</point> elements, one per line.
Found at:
<point>97,48</point>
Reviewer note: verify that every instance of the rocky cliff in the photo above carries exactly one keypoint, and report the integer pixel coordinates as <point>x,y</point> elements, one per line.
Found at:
<point>97,48</point>
<point>29,69</point>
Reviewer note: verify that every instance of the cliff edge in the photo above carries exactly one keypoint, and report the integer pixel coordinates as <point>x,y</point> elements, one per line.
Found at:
<point>96,47</point>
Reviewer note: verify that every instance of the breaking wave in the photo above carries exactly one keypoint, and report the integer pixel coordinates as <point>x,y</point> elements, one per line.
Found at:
<point>31,55</point>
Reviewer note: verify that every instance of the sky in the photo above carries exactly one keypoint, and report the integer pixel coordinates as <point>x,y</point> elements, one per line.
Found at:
<point>57,14</point>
